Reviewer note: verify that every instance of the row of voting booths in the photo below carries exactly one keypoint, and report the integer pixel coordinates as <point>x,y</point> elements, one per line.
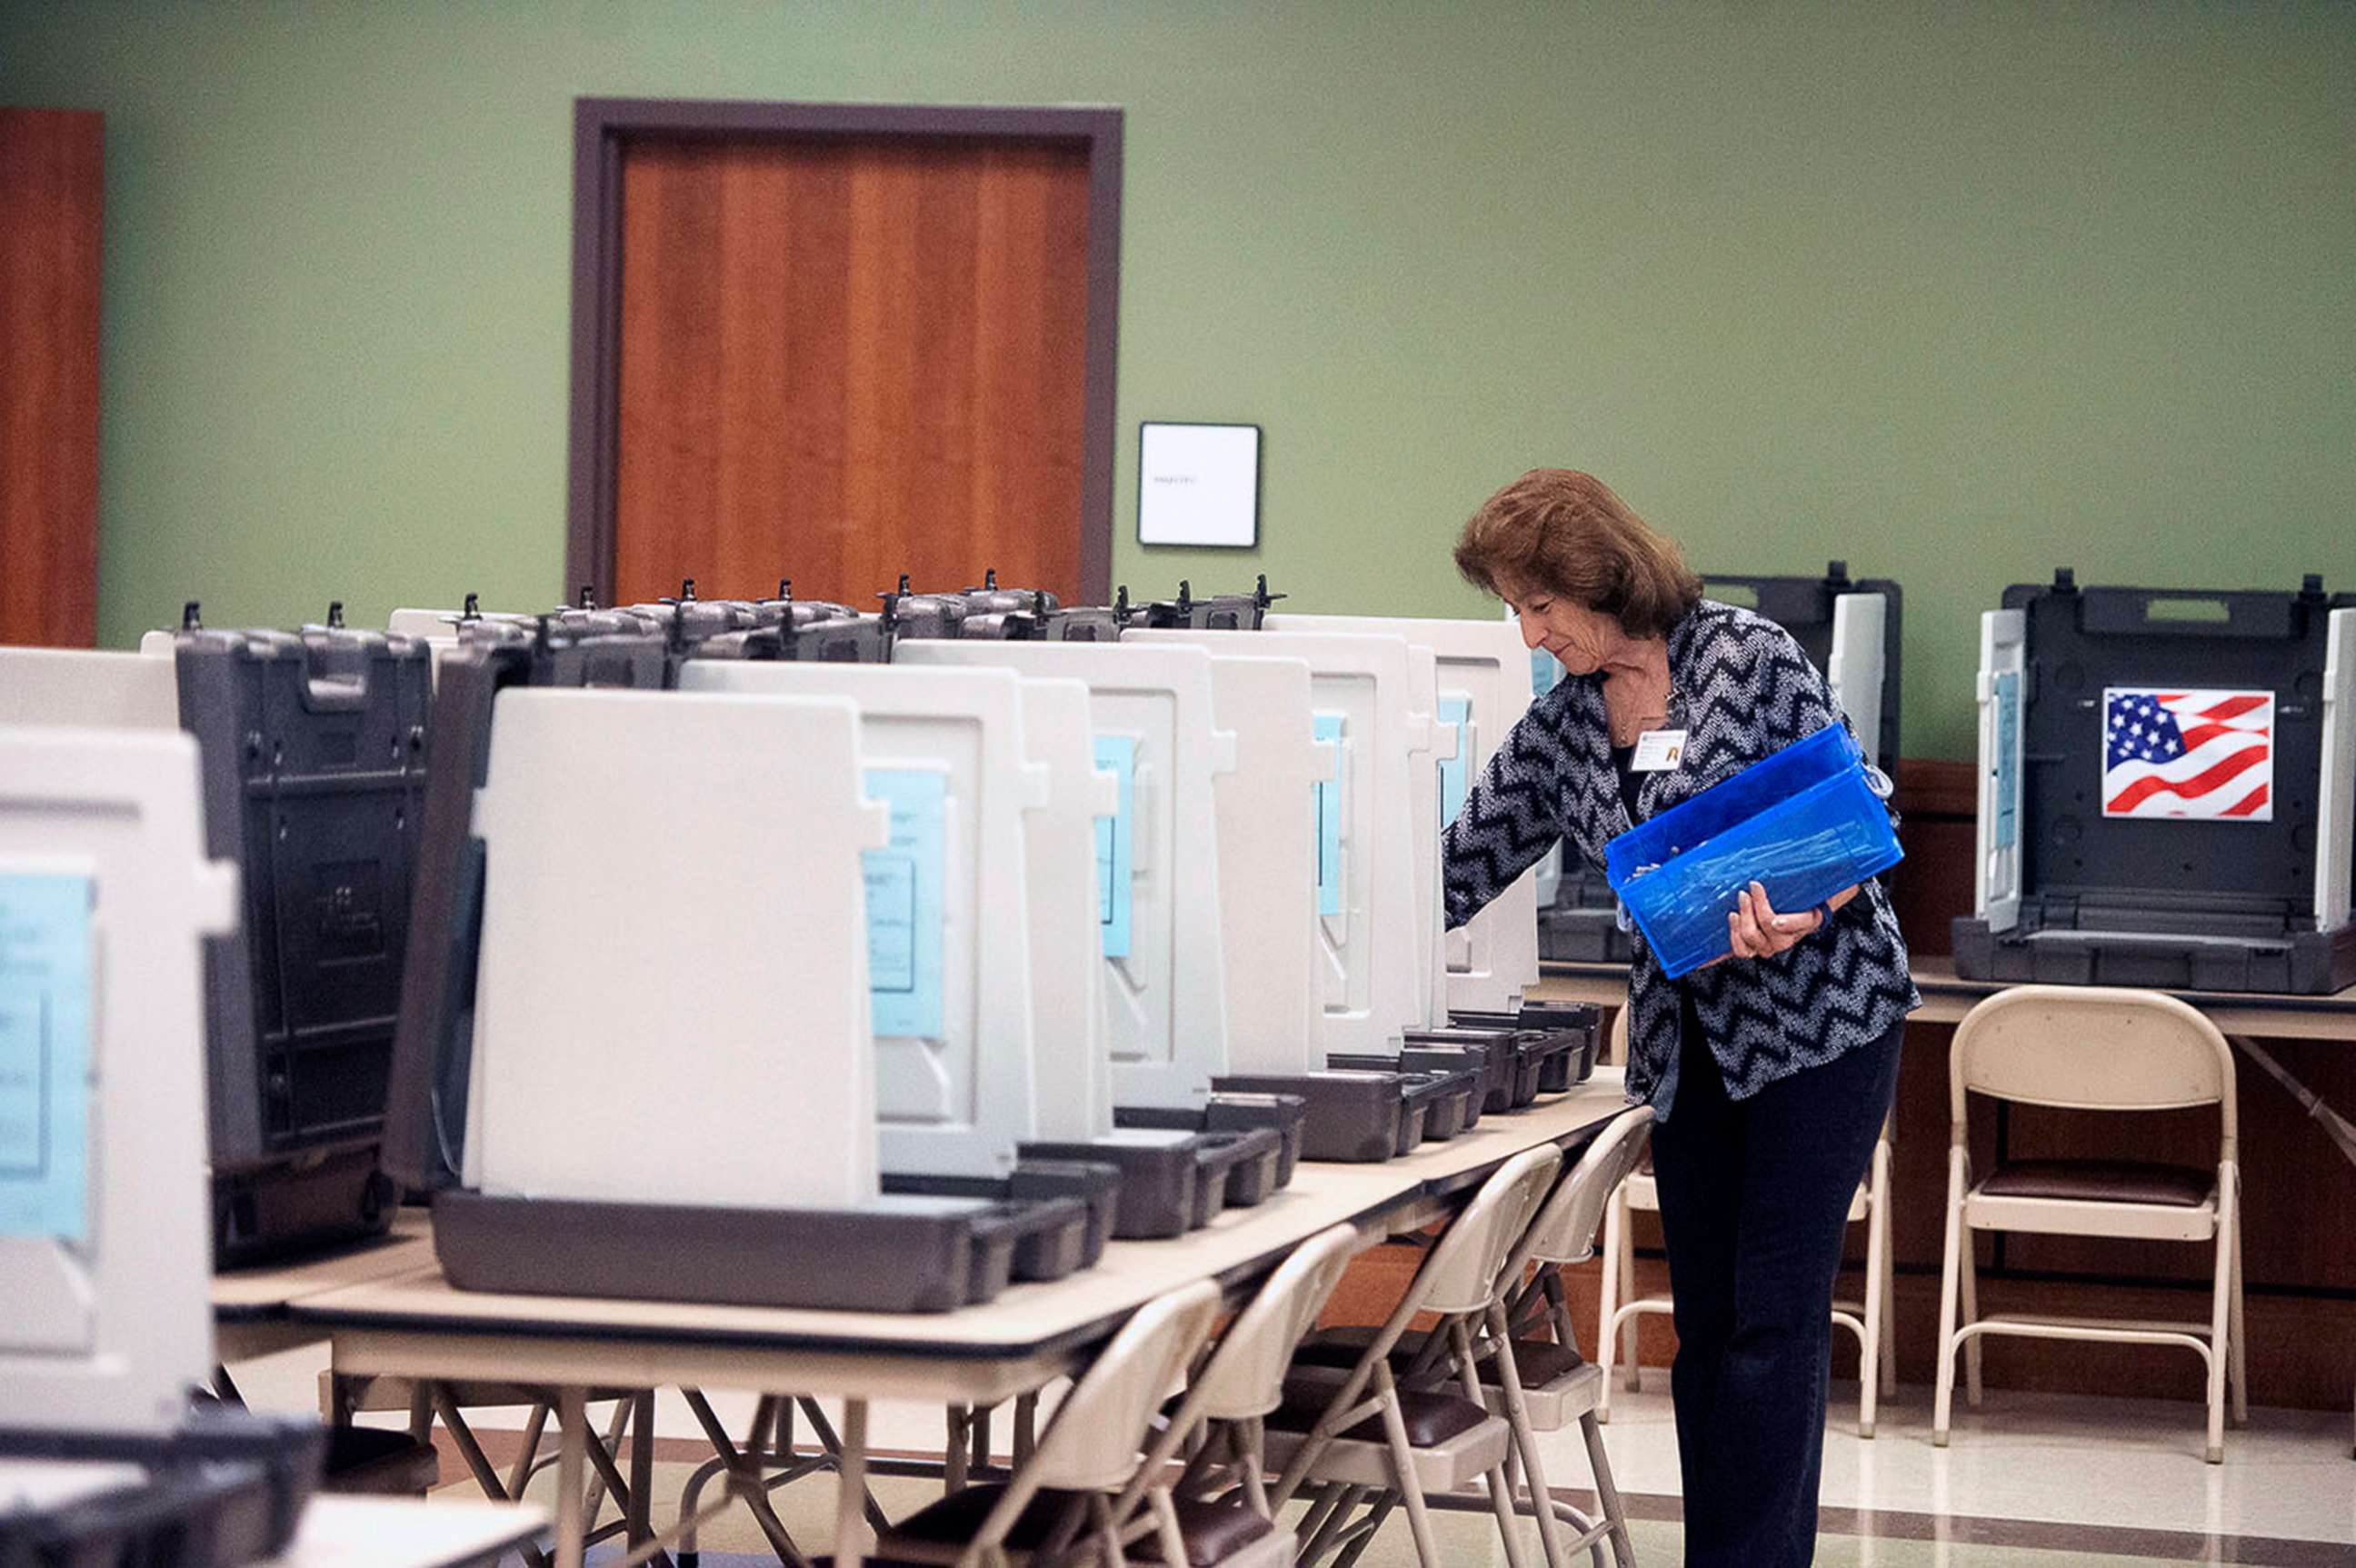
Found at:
<point>776,951</point>
<point>771,951</point>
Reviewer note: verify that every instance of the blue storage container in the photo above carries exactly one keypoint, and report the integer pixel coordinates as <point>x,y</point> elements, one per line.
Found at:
<point>1804,823</point>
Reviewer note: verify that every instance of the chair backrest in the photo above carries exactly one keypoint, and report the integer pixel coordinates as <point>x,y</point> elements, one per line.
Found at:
<point>1092,1441</point>
<point>1245,1376</point>
<point>1564,1231</point>
<point>1618,1047</point>
<point>2091,1048</point>
<point>1462,1273</point>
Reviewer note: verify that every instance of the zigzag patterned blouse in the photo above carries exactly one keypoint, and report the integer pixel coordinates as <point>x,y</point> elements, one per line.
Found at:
<point>1742,689</point>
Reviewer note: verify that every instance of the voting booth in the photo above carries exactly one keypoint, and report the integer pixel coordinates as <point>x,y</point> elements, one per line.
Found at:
<point>1380,961</point>
<point>1185,1153</point>
<point>1268,851</point>
<point>650,1069</point>
<point>1852,629</point>
<point>1482,691</point>
<point>312,749</point>
<point>2165,789</point>
<point>109,900</point>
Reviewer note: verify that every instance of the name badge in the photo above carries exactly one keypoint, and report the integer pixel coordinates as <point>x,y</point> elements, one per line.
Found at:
<point>1659,751</point>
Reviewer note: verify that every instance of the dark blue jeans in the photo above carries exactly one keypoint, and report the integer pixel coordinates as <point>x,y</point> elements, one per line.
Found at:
<point>1754,1202</point>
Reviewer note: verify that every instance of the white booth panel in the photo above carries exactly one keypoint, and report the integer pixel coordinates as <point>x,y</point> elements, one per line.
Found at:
<point>1366,938</point>
<point>2004,660</point>
<point>89,688</point>
<point>1158,858</point>
<point>1071,1040</point>
<point>950,962</point>
<point>105,1227</point>
<point>673,1002</point>
<point>1267,862</point>
<point>1485,687</point>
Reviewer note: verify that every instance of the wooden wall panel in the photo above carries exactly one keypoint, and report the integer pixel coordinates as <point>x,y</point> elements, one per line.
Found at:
<point>52,169</point>
<point>1938,811</point>
<point>844,360</point>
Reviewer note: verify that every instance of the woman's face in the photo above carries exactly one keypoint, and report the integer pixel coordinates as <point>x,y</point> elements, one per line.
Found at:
<point>1581,638</point>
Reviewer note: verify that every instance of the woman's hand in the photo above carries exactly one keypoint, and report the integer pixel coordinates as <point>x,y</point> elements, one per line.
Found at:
<point>1756,931</point>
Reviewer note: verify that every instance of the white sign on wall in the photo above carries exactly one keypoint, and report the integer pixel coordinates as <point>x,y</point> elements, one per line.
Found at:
<point>1198,484</point>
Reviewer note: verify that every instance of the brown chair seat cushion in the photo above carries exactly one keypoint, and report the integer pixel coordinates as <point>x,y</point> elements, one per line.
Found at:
<point>1213,1532</point>
<point>1430,1418</point>
<point>2101,1181</point>
<point>958,1518</point>
<point>1539,1361</point>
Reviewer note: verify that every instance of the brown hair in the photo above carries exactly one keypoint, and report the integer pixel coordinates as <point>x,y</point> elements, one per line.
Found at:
<point>1565,532</point>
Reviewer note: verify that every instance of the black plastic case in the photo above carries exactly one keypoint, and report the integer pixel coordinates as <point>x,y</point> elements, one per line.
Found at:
<point>227,1489</point>
<point>313,748</point>
<point>1441,1098</point>
<point>1168,1189</point>
<point>1349,1117</point>
<point>1220,612</point>
<point>1562,1036</point>
<point>1054,1246</point>
<point>881,1258</point>
<point>2175,903</point>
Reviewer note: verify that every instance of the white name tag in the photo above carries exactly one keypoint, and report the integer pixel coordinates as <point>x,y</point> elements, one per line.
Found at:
<point>1659,751</point>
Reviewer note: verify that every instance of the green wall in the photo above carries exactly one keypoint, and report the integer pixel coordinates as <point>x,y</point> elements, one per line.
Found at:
<point>1957,292</point>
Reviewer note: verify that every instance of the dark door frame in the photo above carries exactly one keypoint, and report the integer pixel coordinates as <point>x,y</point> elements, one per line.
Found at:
<point>601,127</point>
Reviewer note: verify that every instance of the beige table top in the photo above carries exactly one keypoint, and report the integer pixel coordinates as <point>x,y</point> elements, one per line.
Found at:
<point>396,1532</point>
<point>419,1325</point>
<point>1946,998</point>
<point>265,1289</point>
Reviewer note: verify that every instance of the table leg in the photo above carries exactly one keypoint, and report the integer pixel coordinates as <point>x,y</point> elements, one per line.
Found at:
<point>953,1466</point>
<point>642,1469</point>
<point>572,1449</point>
<point>850,1517</point>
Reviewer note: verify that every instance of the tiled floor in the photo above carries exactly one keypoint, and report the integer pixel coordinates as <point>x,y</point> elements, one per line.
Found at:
<point>2029,1480</point>
<point>2049,1459</point>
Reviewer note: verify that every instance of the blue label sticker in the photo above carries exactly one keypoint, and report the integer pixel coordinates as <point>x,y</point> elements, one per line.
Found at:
<point>1116,846</point>
<point>1327,794</point>
<point>1457,714</point>
<point>904,916</point>
<point>1546,672</point>
<point>45,1056</point>
<point>2007,757</point>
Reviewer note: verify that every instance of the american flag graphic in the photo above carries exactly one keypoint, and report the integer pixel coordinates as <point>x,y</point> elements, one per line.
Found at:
<point>2188,754</point>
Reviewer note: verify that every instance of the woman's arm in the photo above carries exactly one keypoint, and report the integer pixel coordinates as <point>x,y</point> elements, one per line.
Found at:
<point>1513,814</point>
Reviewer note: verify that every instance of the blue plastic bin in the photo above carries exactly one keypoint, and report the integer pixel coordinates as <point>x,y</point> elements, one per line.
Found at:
<point>1803,823</point>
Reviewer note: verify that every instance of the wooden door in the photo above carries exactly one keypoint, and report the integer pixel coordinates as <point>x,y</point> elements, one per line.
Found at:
<point>51,188</point>
<point>841,357</point>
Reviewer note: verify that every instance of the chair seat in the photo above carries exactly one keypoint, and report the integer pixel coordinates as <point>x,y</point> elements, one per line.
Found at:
<point>958,1518</point>
<point>1539,1361</point>
<point>1215,1533</point>
<point>1453,1440</point>
<point>1430,1418</point>
<point>2101,1181</point>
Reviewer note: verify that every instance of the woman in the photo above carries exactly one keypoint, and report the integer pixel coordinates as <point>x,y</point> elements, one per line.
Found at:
<point>1770,1071</point>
